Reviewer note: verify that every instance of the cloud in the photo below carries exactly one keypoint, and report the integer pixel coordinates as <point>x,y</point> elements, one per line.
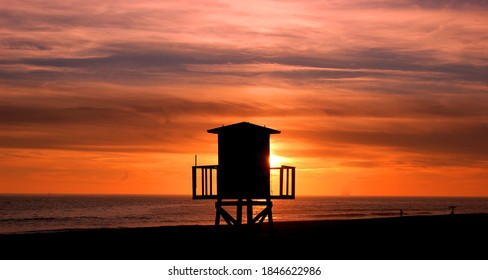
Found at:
<point>153,42</point>
<point>364,84</point>
<point>114,122</point>
<point>462,140</point>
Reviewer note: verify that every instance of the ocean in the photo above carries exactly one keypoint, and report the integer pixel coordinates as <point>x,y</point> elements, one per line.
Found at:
<point>40,213</point>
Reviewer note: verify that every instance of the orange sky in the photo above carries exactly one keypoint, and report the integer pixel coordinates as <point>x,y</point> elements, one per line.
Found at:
<point>371,97</point>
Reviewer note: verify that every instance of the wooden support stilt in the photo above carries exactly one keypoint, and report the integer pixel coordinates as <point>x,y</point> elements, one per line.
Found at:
<point>249,211</point>
<point>218,206</point>
<point>270,214</point>
<point>239,212</point>
<point>221,213</point>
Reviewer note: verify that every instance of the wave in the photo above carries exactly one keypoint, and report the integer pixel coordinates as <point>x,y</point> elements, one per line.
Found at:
<point>45,219</point>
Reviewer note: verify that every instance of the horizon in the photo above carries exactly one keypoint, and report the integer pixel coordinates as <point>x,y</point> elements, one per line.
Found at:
<point>190,195</point>
<point>371,98</point>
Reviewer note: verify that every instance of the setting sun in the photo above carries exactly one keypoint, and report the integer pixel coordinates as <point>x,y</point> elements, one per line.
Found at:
<point>276,161</point>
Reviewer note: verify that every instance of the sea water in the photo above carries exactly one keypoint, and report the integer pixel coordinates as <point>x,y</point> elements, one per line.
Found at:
<point>27,213</point>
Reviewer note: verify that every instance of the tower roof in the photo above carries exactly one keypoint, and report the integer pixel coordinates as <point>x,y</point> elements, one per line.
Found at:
<point>243,127</point>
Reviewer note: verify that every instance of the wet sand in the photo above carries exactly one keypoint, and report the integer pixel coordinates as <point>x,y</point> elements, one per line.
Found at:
<point>442,237</point>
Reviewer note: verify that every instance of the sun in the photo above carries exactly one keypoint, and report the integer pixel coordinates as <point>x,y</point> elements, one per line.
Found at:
<point>276,161</point>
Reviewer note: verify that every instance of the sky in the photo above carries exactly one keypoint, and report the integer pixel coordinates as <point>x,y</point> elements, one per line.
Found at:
<point>371,97</point>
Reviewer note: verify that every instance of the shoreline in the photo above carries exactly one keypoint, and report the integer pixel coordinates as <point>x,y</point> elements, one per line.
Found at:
<point>442,237</point>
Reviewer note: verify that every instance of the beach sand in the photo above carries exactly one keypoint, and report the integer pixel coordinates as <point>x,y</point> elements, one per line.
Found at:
<point>441,237</point>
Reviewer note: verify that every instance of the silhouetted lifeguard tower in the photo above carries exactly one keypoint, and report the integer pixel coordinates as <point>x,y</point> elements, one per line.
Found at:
<point>243,174</point>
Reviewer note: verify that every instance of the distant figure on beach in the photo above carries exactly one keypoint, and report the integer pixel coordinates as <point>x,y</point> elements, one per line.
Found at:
<point>401,212</point>
<point>452,209</point>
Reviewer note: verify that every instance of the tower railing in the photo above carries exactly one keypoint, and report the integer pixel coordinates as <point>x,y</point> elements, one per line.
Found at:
<point>207,176</point>
<point>287,182</point>
<point>204,182</point>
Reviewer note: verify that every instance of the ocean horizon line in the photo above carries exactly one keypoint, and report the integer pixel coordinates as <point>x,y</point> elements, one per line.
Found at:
<point>189,195</point>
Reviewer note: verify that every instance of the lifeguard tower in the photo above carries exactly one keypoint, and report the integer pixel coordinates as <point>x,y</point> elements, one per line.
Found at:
<point>242,176</point>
